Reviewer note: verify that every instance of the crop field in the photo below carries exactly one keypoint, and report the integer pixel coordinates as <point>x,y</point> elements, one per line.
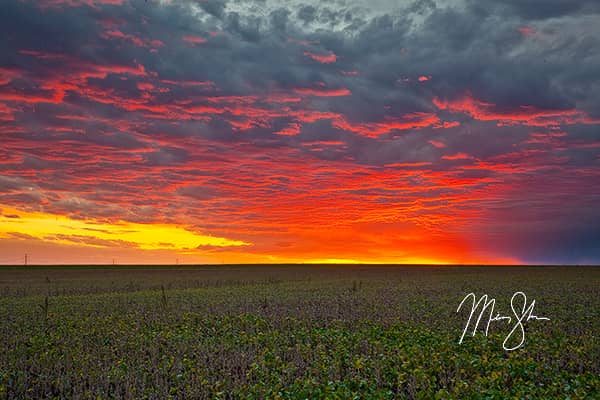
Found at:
<point>293,332</point>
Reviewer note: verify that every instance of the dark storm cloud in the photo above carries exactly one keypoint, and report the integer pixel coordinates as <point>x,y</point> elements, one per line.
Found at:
<point>460,49</point>
<point>457,47</point>
<point>537,9</point>
<point>216,8</point>
<point>307,14</point>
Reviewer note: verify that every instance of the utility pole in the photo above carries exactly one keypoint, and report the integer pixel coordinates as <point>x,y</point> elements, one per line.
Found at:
<point>25,258</point>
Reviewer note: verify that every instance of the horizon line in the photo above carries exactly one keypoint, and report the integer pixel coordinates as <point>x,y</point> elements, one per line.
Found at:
<point>293,264</point>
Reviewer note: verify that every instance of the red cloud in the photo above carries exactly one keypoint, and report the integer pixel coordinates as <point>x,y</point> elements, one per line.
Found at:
<point>6,113</point>
<point>322,58</point>
<point>291,130</point>
<point>78,3</point>
<point>101,71</point>
<point>136,41</point>
<point>73,77</point>
<point>194,40</point>
<point>7,75</point>
<point>145,86</point>
<point>374,129</point>
<point>42,55</point>
<point>457,156</point>
<point>446,125</point>
<point>323,92</point>
<point>313,115</point>
<point>523,114</point>
<point>417,164</point>
<point>526,30</point>
<point>282,98</point>
<point>55,96</point>
<point>437,143</point>
<point>324,143</point>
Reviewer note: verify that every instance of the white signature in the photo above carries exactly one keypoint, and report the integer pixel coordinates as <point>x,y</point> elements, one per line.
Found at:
<point>521,315</point>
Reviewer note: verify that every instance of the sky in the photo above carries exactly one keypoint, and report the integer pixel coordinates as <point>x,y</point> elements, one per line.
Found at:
<point>262,131</point>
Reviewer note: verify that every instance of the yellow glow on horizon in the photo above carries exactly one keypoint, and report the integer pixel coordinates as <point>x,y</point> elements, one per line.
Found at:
<point>63,230</point>
<point>333,261</point>
<point>139,242</point>
<point>412,261</point>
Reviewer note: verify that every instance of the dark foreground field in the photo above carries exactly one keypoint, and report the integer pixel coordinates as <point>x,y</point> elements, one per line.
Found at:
<point>298,332</point>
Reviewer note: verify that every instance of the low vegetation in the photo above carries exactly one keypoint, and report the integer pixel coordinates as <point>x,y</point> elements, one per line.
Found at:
<point>292,332</point>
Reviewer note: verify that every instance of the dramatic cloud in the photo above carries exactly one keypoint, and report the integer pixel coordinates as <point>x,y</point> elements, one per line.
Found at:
<point>262,131</point>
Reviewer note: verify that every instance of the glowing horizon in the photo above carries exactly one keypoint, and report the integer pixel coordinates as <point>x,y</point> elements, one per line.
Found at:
<point>174,242</point>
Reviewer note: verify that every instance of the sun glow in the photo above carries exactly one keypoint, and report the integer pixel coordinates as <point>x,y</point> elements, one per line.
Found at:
<point>92,233</point>
<point>410,261</point>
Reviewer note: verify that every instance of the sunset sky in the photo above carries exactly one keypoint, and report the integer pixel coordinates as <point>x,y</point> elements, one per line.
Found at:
<point>209,131</point>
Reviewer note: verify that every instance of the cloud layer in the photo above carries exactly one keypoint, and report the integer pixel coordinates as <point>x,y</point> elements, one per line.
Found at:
<point>455,131</point>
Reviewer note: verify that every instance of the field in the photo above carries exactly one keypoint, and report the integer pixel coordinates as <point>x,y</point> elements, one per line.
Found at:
<point>293,332</point>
